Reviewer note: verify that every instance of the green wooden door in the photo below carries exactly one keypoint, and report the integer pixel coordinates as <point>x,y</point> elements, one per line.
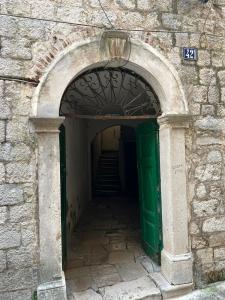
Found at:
<point>149,188</point>
<point>62,140</point>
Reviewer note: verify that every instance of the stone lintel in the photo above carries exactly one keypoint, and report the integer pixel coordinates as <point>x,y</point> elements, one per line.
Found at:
<point>174,120</point>
<point>46,124</point>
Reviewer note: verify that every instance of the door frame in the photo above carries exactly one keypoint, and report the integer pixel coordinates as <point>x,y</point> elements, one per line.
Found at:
<point>176,258</point>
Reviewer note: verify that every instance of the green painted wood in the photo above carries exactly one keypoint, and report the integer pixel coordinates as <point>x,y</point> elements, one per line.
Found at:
<point>62,142</point>
<point>149,188</point>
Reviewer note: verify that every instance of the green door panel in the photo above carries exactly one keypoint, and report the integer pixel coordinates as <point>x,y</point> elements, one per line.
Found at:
<point>149,188</point>
<point>62,142</point>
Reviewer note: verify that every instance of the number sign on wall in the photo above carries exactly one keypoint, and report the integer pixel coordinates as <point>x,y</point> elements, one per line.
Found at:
<point>190,54</point>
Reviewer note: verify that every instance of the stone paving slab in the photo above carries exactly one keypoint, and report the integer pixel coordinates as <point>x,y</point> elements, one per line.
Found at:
<point>130,271</point>
<point>214,291</point>
<point>142,288</point>
<point>87,295</point>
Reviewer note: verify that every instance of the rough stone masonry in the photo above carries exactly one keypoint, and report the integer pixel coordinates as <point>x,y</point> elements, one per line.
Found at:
<point>32,34</point>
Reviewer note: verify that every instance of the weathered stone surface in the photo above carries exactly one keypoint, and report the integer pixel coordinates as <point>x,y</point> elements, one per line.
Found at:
<point>219,253</point>
<point>204,58</point>
<point>142,288</point>
<point>18,295</point>
<point>3,214</point>
<point>10,194</point>
<point>214,224</point>
<point>10,236</point>
<point>208,172</point>
<point>221,75</point>
<point>29,233</point>
<point>217,239</point>
<point>20,279</point>
<point>88,294</point>
<point>2,173</point>
<point>205,255</point>
<point>23,257</point>
<point>20,172</point>
<point>2,261</point>
<point>206,208</point>
<point>200,190</point>
<point>21,213</point>
<point>17,130</point>
<point>2,131</point>
<point>207,76</point>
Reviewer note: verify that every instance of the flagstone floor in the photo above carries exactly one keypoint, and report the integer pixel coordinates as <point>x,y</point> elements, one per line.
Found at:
<point>106,260</point>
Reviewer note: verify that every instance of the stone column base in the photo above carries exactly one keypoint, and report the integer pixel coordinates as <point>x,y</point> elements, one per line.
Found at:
<point>54,290</point>
<point>177,269</point>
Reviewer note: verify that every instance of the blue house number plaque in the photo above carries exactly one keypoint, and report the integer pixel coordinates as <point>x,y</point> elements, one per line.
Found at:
<point>190,54</point>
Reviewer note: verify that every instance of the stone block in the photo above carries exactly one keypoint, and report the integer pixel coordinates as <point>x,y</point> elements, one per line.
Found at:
<point>128,4</point>
<point>20,172</point>
<point>194,228</point>
<point>5,111</point>
<point>17,130</point>
<point>199,94</point>
<point>45,8</point>
<point>217,59</point>
<point>213,94</point>
<point>210,123</point>
<point>3,214</point>
<point>10,194</point>
<point>10,236</point>
<point>203,58</point>
<point>18,279</point>
<point>208,140</point>
<point>18,295</point>
<point>219,253</point>
<point>182,39</point>
<point>207,76</point>
<point>223,94</point>
<point>208,172</point>
<point>16,7</point>
<point>201,191</point>
<point>88,294</point>
<point>2,172</point>
<point>21,213</point>
<point>13,68</point>
<point>8,26</point>
<point>29,233</point>
<point>171,21</point>
<point>19,95</point>
<point>16,48</point>
<point>208,110</point>
<point>32,29</point>
<point>2,131</point>
<point>78,15</point>
<point>198,242</point>
<point>221,75</point>
<point>217,239</point>
<point>214,156</point>
<point>23,257</point>
<point>205,255</point>
<point>2,262</point>
<point>214,224</point>
<point>206,208</point>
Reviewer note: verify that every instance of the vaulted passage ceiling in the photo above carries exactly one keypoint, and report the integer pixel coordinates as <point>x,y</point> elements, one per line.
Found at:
<point>109,92</point>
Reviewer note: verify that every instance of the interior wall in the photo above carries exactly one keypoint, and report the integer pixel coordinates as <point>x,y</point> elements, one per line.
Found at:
<point>110,138</point>
<point>77,160</point>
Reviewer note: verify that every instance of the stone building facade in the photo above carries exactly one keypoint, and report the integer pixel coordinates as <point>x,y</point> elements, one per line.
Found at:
<point>34,36</point>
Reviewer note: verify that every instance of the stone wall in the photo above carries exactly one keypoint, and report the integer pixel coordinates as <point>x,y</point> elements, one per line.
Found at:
<point>32,33</point>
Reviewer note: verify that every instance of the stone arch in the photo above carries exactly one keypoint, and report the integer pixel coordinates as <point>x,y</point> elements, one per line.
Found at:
<point>74,59</point>
<point>176,257</point>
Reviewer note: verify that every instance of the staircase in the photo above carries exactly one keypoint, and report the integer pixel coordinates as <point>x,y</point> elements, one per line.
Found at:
<point>107,181</point>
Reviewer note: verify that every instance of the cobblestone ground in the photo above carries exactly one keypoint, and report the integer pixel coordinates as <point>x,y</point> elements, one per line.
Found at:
<point>106,260</point>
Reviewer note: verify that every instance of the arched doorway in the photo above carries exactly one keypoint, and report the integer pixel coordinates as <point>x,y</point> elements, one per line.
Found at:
<point>164,81</point>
